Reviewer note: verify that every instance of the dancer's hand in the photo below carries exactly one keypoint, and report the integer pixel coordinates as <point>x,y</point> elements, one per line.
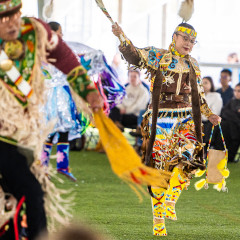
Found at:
<point>215,119</point>
<point>95,100</point>
<point>117,30</point>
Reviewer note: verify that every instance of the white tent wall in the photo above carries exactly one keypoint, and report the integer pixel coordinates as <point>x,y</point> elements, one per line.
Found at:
<point>216,22</point>
<point>30,8</point>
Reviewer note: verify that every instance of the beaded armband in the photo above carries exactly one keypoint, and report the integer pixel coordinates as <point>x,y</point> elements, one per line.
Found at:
<point>124,40</point>
<point>205,110</point>
<point>80,82</point>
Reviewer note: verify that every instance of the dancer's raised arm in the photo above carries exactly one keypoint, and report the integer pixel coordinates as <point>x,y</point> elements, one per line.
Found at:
<point>129,51</point>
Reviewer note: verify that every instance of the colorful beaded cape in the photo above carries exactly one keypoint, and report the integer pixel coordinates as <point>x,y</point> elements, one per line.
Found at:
<point>25,66</point>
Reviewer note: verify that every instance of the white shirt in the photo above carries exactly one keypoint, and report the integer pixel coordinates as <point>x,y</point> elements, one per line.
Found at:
<point>215,103</point>
<point>136,99</point>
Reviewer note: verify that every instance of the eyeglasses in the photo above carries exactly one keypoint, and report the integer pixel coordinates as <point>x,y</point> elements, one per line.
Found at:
<point>12,17</point>
<point>187,39</point>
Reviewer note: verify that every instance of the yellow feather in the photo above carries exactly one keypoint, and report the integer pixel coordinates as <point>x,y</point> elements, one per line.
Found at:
<point>199,173</point>
<point>119,152</point>
<point>225,173</point>
<point>218,187</point>
<point>199,184</point>
<point>221,165</point>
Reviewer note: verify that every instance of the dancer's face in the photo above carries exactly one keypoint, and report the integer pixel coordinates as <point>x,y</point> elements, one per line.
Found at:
<point>10,26</point>
<point>184,43</point>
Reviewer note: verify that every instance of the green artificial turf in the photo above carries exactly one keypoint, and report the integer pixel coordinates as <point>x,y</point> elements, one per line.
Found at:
<point>104,201</point>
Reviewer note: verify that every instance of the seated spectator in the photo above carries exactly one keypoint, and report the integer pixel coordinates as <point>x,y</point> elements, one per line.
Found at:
<point>136,99</point>
<point>138,134</point>
<point>215,103</point>
<point>226,91</point>
<point>231,125</point>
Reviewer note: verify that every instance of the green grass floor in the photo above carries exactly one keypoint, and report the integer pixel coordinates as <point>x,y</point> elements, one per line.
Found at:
<point>105,202</point>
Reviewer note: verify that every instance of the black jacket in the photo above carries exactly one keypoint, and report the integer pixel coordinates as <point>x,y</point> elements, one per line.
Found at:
<point>231,114</point>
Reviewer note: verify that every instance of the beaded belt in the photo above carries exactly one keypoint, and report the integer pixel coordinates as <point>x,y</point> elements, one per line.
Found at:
<point>183,98</point>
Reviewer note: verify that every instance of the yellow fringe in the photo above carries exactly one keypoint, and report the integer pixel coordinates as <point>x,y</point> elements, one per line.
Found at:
<point>199,173</point>
<point>222,164</point>
<point>221,186</point>
<point>200,184</point>
<point>123,159</point>
<point>225,173</point>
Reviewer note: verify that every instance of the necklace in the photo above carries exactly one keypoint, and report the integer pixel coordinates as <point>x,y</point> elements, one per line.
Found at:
<point>14,49</point>
<point>175,52</point>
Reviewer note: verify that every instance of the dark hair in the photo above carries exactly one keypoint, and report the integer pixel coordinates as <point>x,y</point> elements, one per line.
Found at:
<point>212,89</point>
<point>229,72</point>
<point>238,85</point>
<point>134,70</point>
<point>54,26</point>
<point>186,25</point>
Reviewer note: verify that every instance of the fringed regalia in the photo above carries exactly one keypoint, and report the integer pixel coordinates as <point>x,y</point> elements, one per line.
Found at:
<point>22,131</point>
<point>60,104</point>
<point>171,127</point>
<point>104,77</point>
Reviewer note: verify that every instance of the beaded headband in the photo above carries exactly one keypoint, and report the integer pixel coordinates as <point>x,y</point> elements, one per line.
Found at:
<point>188,31</point>
<point>8,6</point>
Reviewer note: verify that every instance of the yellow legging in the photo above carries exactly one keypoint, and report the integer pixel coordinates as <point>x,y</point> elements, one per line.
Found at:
<point>158,203</point>
<point>176,185</point>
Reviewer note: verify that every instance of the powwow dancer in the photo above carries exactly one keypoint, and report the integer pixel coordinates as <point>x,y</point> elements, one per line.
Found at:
<point>70,124</point>
<point>171,128</point>
<point>60,105</point>
<point>25,43</point>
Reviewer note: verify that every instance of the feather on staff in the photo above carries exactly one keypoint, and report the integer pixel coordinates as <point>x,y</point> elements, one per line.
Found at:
<point>186,10</point>
<point>104,10</point>
<point>48,10</point>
